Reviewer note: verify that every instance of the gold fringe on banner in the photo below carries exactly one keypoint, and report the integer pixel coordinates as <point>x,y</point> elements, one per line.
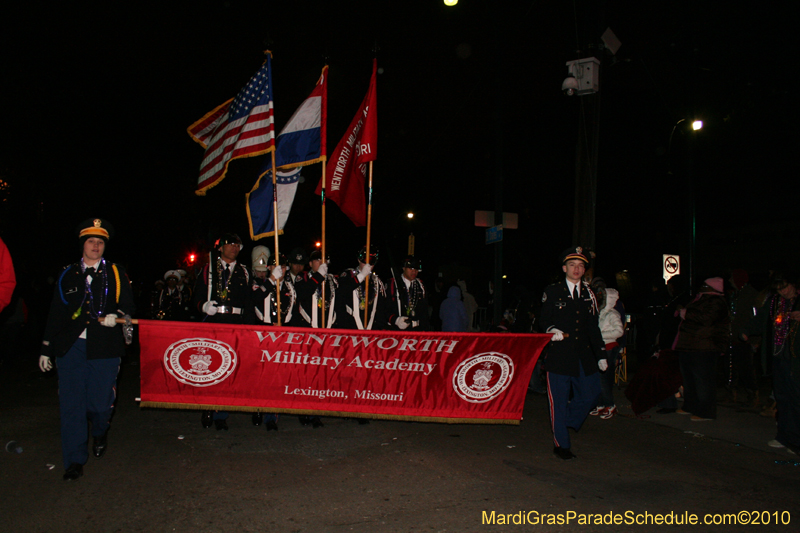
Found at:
<point>342,414</point>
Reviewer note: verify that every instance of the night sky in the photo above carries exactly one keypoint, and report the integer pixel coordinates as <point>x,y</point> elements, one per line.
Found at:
<point>98,97</point>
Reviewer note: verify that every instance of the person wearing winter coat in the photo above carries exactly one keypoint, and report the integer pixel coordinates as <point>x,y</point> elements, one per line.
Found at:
<point>453,313</point>
<point>702,338</point>
<point>612,328</point>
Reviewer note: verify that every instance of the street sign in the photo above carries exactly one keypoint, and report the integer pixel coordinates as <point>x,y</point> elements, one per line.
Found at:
<point>485,219</point>
<point>494,234</point>
<point>671,265</point>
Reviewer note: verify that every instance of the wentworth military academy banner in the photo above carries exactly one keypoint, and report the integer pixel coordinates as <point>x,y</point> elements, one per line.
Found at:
<point>430,376</point>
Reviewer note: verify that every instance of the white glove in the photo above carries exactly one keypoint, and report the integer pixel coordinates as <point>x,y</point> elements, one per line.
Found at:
<point>402,322</point>
<point>110,321</point>
<point>45,363</point>
<point>210,307</point>
<point>323,270</point>
<point>558,335</point>
<point>602,364</point>
<point>277,272</point>
<point>364,272</point>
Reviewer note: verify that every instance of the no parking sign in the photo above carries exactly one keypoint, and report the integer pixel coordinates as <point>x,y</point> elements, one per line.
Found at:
<point>671,265</point>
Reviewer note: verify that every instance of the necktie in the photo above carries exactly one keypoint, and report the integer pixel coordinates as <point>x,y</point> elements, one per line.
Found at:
<point>226,274</point>
<point>575,293</point>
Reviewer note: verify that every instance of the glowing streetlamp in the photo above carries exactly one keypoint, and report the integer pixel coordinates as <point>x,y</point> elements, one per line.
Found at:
<point>697,125</point>
<point>450,3</point>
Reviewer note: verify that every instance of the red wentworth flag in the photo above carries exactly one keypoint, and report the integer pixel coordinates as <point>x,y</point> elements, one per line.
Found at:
<point>241,127</point>
<point>347,166</point>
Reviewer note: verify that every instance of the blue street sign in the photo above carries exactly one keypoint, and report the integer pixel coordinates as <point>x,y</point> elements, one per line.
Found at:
<point>494,234</point>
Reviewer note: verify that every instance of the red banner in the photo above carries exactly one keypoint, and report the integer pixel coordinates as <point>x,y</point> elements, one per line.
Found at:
<point>427,376</point>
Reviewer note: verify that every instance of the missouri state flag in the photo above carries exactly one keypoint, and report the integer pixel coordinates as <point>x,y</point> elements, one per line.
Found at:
<point>347,165</point>
<point>301,142</point>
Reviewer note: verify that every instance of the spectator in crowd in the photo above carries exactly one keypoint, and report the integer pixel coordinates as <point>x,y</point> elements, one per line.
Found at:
<point>452,312</point>
<point>470,304</point>
<point>612,328</point>
<point>702,338</point>
<point>741,352</point>
<point>779,319</point>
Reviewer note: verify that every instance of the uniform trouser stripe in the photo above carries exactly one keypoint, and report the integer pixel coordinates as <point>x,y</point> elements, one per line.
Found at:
<point>566,413</point>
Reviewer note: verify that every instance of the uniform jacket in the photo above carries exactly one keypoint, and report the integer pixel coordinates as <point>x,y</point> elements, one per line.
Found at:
<point>238,293</point>
<point>412,303</point>
<point>265,302</point>
<point>578,319</point>
<point>350,301</point>
<point>309,300</point>
<point>72,310</point>
<point>173,306</point>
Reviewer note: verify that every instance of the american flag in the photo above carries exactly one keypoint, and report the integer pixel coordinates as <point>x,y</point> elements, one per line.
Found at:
<point>241,127</point>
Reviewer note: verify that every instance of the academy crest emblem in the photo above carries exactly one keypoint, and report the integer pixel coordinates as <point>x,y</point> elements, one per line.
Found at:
<point>483,377</point>
<point>200,362</point>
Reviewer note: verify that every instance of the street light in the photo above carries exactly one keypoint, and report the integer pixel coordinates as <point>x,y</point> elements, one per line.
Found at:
<point>697,125</point>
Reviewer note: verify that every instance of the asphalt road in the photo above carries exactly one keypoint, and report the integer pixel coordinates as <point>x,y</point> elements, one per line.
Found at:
<point>164,472</point>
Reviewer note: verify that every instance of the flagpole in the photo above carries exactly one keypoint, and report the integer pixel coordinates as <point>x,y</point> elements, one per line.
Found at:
<point>369,227</point>
<point>275,218</point>
<point>324,261</point>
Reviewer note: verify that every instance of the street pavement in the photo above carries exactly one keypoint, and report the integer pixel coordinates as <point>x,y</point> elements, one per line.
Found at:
<point>164,472</point>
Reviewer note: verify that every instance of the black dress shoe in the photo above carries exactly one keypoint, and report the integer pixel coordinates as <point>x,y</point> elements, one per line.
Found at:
<point>272,425</point>
<point>363,421</point>
<point>304,420</point>
<point>100,445</point>
<point>73,472</point>
<point>666,410</point>
<point>316,422</point>
<point>256,419</point>
<point>220,425</point>
<point>207,418</point>
<point>563,453</point>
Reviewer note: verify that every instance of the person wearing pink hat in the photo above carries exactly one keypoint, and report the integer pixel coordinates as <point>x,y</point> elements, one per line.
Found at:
<point>702,338</point>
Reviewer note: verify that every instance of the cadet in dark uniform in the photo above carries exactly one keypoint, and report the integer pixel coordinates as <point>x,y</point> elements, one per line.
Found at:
<point>409,307</point>
<point>83,336</point>
<point>352,296</point>
<point>172,303</point>
<point>309,294</point>
<point>309,287</point>
<point>265,310</point>
<point>569,312</point>
<point>222,294</point>
<point>264,295</point>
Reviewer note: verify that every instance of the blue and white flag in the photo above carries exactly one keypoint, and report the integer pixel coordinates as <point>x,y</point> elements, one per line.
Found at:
<point>301,142</point>
<point>260,202</point>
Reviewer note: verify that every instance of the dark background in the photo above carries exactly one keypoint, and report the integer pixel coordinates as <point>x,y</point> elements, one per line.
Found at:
<point>98,97</point>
